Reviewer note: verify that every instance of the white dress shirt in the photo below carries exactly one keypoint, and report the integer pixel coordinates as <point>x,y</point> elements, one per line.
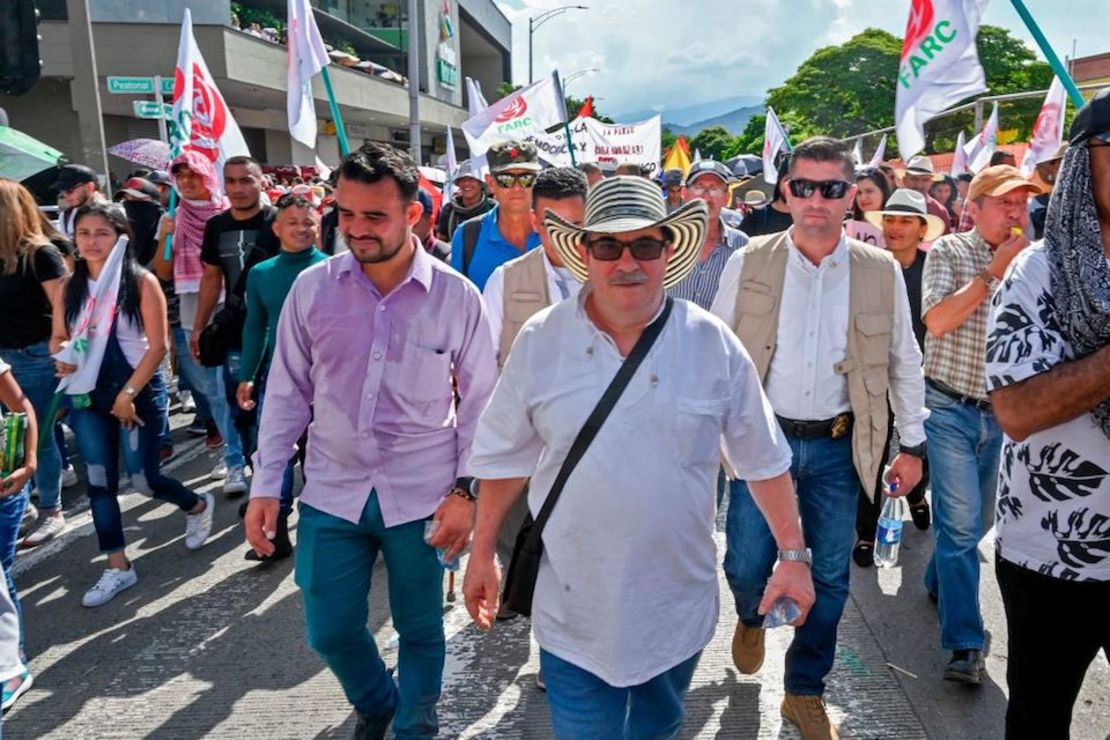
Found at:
<point>812,338</point>
<point>561,284</point>
<point>627,587</point>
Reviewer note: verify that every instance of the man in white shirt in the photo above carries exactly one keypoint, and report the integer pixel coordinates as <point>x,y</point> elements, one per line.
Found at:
<point>626,597</point>
<point>843,338</point>
<point>535,280</point>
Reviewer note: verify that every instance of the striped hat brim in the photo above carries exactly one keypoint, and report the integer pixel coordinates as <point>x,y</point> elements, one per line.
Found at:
<point>617,209</point>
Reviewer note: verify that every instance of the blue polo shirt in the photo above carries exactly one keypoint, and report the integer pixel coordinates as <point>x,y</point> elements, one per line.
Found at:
<point>490,252</point>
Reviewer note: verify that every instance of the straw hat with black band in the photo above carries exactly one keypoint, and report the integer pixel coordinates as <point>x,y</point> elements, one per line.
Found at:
<point>622,204</point>
<point>906,202</point>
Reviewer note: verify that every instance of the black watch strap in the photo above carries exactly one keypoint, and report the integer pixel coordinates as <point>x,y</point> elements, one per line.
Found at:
<point>915,450</point>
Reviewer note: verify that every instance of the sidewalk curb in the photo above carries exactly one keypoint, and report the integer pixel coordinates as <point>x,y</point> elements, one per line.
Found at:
<point>80,522</point>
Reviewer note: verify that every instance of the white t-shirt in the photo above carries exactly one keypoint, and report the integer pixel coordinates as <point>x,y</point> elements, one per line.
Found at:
<point>131,337</point>
<point>1053,511</point>
<point>627,587</point>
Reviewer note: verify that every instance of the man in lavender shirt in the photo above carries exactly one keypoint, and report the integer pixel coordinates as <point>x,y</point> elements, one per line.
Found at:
<point>367,347</point>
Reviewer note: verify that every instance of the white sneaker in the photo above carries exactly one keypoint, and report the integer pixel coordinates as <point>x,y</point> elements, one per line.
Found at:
<point>69,477</point>
<point>199,526</point>
<point>236,481</point>
<point>219,471</point>
<point>49,528</point>
<point>188,405</point>
<point>111,582</point>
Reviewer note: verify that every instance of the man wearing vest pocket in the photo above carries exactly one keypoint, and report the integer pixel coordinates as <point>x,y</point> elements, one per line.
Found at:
<point>827,322</point>
<point>525,286</point>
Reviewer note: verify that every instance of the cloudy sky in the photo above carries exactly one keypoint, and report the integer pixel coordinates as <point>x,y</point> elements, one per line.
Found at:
<point>675,53</point>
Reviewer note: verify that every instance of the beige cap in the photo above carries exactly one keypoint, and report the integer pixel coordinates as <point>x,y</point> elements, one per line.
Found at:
<point>998,180</point>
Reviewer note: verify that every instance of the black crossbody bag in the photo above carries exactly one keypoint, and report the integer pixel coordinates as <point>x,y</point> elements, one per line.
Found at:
<point>520,582</point>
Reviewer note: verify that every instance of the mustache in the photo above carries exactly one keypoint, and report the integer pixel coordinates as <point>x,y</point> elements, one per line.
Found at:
<point>628,278</point>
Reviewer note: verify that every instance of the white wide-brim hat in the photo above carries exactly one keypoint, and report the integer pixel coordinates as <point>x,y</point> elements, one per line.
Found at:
<point>621,204</point>
<point>905,202</point>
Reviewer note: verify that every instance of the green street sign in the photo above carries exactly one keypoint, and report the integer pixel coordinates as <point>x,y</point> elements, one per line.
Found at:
<point>151,109</point>
<point>138,85</point>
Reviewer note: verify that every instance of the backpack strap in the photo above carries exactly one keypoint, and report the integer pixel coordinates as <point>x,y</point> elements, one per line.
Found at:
<point>471,230</point>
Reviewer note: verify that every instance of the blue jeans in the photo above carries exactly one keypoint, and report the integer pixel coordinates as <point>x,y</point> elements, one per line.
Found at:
<point>335,560</point>
<point>827,486</point>
<point>33,369</point>
<point>584,707</point>
<point>11,515</point>
<point>192,376</point>
<point>964,446</point>
<point>226,409</point>
<point>287,476</point>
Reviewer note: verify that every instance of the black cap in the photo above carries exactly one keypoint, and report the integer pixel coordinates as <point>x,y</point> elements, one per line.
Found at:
<point>72,175</point>
<point>138,187</point>
<point>1093,119</point>
<point>672,178</point>
<point>160,177</point>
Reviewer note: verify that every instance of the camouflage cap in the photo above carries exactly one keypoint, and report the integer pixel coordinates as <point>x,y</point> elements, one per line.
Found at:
<point>513,155</point>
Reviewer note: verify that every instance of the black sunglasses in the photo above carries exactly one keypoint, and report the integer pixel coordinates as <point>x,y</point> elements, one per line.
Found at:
<point>830,189</point>
<point>508,179</point>
<point>608,249</point>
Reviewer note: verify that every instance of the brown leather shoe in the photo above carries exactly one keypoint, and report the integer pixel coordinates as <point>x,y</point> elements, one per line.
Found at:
<point>808,713</point>
<point>747,648</point>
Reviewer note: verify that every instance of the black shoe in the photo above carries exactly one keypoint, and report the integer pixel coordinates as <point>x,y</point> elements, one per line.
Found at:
<point>921,515</point>
<point>196,428</point>
<point>965,667</point>
<point>283,548</point>
<point>372,726</point>
<point>864,553</point>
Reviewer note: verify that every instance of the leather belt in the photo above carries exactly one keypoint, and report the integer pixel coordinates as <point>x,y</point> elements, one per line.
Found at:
<point>953,393</point>
<point>836,427</point>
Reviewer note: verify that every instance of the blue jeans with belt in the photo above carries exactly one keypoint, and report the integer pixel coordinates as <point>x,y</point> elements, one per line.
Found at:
<point>964,447</point>
<point>33,369</point>
<point>101,439</point>
<point>827,486</point>
<point>335,560</point>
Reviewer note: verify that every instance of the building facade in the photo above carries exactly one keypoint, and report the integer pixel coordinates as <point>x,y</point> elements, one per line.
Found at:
<point>243,45</point>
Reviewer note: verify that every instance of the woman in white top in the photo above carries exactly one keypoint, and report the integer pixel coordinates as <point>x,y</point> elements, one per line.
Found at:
<point>118,340</point>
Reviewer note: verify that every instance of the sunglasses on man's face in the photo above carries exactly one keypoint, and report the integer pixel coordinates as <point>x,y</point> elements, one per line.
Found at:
<point>508,179</point>
<point>645,249</point>
<point>830,189</point>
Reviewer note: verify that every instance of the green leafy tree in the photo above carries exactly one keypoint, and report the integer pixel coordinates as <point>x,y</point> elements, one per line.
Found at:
<point>668,138</point>
<point>713,142</point>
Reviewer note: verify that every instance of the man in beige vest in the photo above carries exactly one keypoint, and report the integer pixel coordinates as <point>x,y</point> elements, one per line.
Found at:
<point>827,323</point>
<point>523,287</point>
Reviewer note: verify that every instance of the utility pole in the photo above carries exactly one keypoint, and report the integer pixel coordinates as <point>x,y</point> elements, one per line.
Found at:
<point>414,80</point>
<point>85,89</point>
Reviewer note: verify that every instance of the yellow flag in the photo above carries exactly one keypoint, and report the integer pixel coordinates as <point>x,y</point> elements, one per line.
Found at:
<point>677,158</point>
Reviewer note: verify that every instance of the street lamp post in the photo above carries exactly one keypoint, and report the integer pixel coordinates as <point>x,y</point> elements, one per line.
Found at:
<point>574,76</point>
<point>536,21</point>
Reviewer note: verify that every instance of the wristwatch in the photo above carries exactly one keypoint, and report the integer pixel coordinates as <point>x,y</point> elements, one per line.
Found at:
<point>796,556</point>
<point>130,390</point>
<point>915,450</point>
<point>990,282</point>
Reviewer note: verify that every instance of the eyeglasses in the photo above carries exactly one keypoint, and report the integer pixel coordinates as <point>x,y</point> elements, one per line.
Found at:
<point>508,179</point>
<point>707,189</point>
<point>830,189</point>
<point>608,249</point>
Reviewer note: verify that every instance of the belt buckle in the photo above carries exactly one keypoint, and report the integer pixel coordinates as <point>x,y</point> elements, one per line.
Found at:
<point>839,426</point>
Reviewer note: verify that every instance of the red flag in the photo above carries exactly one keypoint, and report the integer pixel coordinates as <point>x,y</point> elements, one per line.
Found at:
<point>587,109</point>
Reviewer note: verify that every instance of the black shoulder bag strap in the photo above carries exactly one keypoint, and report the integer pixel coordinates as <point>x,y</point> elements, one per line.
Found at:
<point>472,229</point>
<point>520,581</point>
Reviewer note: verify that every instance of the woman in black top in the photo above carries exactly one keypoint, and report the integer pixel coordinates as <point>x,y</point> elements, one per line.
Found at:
<point>31,278</point>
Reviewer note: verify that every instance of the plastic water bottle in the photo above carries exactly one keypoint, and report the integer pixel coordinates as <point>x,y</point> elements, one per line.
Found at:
<point>430,528</point>
<point>888,535</point>
<point>783,611</point>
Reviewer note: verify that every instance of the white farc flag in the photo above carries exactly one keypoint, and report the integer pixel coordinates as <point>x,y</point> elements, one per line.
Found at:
<point>1048,131</point>
<point>939,66</point>
<point>880,154</point>
<point>307,56</point>
<point>959,158</point>
<point>529,110</point>
<point>201,119</point>
<point>451,166</point>
<point>774,141</point>
<point>980,149</point>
